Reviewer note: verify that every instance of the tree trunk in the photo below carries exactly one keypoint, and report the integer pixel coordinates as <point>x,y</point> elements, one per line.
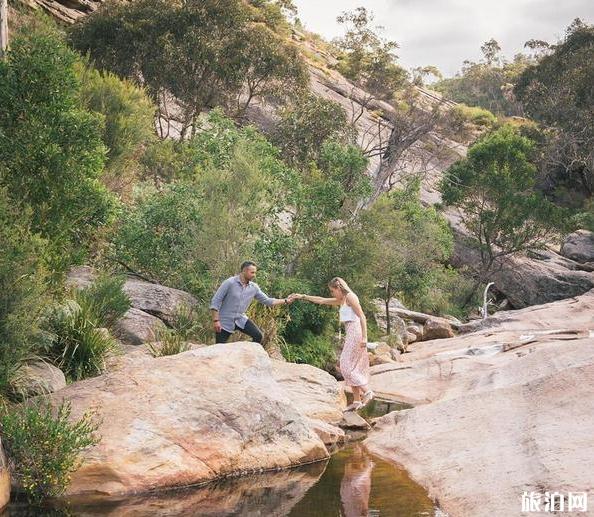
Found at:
<point>3,28</point>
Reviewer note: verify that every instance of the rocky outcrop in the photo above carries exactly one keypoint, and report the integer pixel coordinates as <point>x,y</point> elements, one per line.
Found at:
<point>38,378</point>
<point>156,299</point>
<point>437,328</point>
<point>67,11</point>
<point>540,278</point>
<point>505,409</point>
<point>4,479</point>
<point>579,246</point>
<point>194,417</point>
<point>136,327</point>
<point>146,297</point>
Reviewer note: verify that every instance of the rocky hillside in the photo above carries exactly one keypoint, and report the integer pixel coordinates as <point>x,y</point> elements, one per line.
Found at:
<point>523,281</point>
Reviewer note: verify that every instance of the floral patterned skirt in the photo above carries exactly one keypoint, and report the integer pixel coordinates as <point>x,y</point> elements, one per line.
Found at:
<point>354,361</point>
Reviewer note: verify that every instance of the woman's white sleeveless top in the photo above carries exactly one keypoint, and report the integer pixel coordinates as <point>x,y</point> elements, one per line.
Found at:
<point>347,313</point>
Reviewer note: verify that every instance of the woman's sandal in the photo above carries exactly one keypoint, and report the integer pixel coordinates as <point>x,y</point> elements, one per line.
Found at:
<point>354,406</point>
<point>367,397</point>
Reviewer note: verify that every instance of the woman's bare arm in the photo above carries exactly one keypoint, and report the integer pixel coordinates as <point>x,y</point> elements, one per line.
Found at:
<point>320,300</point>
<point>353,301</point>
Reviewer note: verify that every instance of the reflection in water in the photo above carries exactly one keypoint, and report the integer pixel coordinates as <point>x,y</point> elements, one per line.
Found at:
<point>352,483</point>
<point>355,486</point>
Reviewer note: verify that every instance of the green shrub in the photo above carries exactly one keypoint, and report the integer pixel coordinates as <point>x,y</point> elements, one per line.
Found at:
<point>475,115</point>
<point>43,446</point>
<point>315,350</point>
<point>51,154</point>
<point>170,343</point>
<point>77,344</point>
<point>105,299</point>
<point>23,291</point>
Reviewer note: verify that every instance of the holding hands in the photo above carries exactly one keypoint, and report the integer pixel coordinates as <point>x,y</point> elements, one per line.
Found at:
<point>295,296</point>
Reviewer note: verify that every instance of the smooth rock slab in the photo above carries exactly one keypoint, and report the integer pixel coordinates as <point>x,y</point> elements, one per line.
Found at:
<point>489,426</point>
<point>187,419</point>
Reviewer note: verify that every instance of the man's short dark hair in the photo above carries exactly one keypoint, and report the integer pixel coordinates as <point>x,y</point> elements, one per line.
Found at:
<point>247,263</point>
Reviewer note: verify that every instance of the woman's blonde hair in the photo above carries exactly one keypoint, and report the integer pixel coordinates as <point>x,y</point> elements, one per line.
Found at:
<point>340,284</point>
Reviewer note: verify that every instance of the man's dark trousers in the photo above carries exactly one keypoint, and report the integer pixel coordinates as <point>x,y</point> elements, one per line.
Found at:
<point>251,329</point>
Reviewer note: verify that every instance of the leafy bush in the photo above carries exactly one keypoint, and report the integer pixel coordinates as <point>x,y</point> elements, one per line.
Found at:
<point>315,350</point>
<point>475,115</point>
<point>77,343</point>
<point>22,291</point>
<point>169,342</point>
<point>160,237</point>
<point>79,340</point>
<point>105,299</point>
<point>128,123</point>
<point>43,446</point>
<point>51,154</point>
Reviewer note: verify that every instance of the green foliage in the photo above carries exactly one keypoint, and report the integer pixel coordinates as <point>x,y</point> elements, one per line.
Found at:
<point>315,350</point>
<point>488,83</point>
<point>22,291</point>
<point>160,236</point>
<point>106,299</point>
<point>51,153</point>
<point>76,341</point>
<point>168,342</point>
<point>557,92</point>
<point>494,185</point>
<point>305,126</point>
<point>367,58</point>
<point>77,328</point>
<point>409,246</point>
<point>205,53</point>
<point>195,231</point>
<point>474,115</point>
<point>128,121</point>
<point>43,446</point>
<point>303,318</point>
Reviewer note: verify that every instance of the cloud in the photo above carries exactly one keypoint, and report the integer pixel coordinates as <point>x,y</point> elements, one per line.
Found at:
<point>447,32</point>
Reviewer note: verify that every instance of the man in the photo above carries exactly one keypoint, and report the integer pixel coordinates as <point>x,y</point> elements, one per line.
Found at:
<point>232,299</point>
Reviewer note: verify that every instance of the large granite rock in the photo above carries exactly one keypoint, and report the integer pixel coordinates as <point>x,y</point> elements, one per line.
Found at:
<point>136,327</point>
<point>579,246</point>
<point>156,299</point>
<point>38,378</point>
<point>503,410</point>
<point>540,278</point>
<point>190,418</point>
<point>4,479</point>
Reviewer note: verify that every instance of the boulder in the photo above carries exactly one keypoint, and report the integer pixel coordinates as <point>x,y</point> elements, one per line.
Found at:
<point>186,419</point>
<point>541,278</point>
<point>417,330</point>
<point>579,246</point>
<point>503,410</point>
<point>328,433</point>
<point>4,479</point>
<point>313,392</point>
<point>136,327</point>
<point>156,299</point>
<point>39,378</point>
<point>437,328</point>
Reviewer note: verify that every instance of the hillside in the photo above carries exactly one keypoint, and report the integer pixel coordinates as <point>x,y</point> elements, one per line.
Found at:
<point>549,275</point>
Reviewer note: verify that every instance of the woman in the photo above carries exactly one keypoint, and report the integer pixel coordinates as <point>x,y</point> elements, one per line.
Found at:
<point>354,361</point>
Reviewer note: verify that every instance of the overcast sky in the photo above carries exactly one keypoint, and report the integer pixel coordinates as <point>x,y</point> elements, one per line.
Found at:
<point>446,32</point>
